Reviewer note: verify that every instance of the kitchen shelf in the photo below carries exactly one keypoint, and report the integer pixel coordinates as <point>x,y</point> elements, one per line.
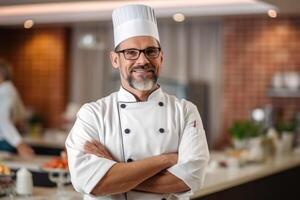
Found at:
<point>283,93</point>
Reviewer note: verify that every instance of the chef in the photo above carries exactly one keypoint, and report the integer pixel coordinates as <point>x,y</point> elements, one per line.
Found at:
<point>138,143</point>
<point>11,111</point>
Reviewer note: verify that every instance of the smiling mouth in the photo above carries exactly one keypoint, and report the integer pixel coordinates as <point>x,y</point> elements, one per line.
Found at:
<point>142,70</point>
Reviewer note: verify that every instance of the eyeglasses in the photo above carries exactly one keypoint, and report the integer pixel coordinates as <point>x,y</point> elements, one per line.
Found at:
<point>133,54</point>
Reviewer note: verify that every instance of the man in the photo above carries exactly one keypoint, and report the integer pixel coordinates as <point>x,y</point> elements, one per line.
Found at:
<point>11,111</point>
<point>139,142</point>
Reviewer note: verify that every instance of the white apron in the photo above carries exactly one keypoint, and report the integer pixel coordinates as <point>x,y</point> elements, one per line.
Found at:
<point>132,131</point>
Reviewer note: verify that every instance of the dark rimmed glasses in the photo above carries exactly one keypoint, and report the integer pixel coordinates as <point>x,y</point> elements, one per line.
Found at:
<point>133,54</point>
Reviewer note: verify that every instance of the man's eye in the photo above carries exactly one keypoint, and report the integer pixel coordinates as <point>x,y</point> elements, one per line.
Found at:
<point>151,51</point>
<point>131,52</point>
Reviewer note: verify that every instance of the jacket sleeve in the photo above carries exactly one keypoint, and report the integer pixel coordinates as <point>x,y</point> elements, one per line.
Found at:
<point>193,153</point>
<point>86,170</point>
<point>7,128</point>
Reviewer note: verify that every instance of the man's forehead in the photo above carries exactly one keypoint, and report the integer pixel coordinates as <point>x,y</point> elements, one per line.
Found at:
<point>139,41</point>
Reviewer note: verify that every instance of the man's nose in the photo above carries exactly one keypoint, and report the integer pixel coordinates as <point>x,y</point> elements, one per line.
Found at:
<point>142,59</point>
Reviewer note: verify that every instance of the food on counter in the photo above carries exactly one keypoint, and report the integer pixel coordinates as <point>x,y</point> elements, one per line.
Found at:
<point>239,158</point>
<point>56,163</point>
<point>6,181</point>
<point>4,170</point>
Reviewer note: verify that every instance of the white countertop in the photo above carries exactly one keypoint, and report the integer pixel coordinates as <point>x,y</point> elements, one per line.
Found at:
<point>223,178</point>
<point>216,180</point>
<point>33,164</point>
<point>42,193</point>
<point>39,193</point>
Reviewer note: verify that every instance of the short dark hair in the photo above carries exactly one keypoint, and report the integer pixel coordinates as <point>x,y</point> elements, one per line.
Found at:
<point>5,70</point>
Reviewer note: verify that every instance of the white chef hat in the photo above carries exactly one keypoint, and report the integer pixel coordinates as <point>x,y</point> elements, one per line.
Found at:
<point>134,20</point>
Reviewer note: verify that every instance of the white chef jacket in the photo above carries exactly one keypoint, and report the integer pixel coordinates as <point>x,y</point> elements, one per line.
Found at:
<point>10,107</point>
<point>132,130</point>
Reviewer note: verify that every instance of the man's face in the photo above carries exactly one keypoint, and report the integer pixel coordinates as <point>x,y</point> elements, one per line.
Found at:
<point>141,73</point>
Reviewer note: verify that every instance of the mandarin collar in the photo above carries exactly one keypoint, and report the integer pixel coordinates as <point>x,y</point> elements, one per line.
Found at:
<point>126,96</point>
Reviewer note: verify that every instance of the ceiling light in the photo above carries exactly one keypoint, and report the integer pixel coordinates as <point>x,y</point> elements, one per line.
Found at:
<point>28,24</point>
<point>88,40</point>
<point>91,41</point>
<point>258,114</point>
<point>178,17</point>
<point>272,13</point>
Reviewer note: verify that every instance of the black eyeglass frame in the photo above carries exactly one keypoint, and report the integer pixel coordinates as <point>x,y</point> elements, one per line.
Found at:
<point>140,51</point>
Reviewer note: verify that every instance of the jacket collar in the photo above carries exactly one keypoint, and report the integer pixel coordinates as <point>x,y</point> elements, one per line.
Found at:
<point>126,96</point>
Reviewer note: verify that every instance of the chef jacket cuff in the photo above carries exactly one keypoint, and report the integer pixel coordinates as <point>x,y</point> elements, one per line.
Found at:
<point>98,175</point>
<point>183,195</point>
<point>186,178</point>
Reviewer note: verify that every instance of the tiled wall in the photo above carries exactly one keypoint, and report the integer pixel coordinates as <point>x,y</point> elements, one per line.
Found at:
<point>254,49</point>
<point>39,57</point>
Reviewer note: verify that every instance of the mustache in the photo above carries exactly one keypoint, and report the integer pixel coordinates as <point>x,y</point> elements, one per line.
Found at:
<point>143,67</point>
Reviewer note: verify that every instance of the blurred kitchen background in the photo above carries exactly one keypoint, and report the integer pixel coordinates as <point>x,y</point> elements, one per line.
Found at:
<point>228,57</point>
<point>237,60</point>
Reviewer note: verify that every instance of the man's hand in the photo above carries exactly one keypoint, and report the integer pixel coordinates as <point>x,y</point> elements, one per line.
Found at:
<point>24,150</point>
<point>163,182</point>
<point>96,148</point>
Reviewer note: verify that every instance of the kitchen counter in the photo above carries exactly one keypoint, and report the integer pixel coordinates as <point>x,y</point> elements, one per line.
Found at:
<point>45,142</point>
<point>218,179</point>
<point>34,165</point>
<point>43,193</point>
<point>49,139</point>
<point>51,142</point>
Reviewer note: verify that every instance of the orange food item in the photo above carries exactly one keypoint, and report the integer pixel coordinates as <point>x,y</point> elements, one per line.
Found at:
<point>57,163</point>
<point>4,170</point>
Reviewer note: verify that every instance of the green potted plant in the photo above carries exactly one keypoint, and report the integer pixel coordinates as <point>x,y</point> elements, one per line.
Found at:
<point>288,127</point>
<point>241,131</point>
<point>286,130</point>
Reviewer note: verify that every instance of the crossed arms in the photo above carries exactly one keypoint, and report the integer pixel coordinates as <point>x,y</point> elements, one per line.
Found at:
<point>94,171</point>
<point>148,175</point>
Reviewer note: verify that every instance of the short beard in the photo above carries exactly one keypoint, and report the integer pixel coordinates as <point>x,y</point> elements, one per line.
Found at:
<point>146,84</point>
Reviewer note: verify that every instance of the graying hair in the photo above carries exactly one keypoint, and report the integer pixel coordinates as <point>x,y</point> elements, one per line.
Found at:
<point>5,70</point>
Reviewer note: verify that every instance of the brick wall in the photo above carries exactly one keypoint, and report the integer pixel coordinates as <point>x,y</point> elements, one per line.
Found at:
<point>254,49</point>
<point>39,57</point>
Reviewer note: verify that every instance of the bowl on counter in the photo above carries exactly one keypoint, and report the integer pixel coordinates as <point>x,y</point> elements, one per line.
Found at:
<point>7,185</point>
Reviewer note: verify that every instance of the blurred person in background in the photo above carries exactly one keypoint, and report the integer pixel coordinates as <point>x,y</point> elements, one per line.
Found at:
<point>12,111</point>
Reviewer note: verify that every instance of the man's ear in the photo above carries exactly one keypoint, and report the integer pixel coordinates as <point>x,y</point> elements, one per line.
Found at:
<point>161,62</point>
<point>114,59</point>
